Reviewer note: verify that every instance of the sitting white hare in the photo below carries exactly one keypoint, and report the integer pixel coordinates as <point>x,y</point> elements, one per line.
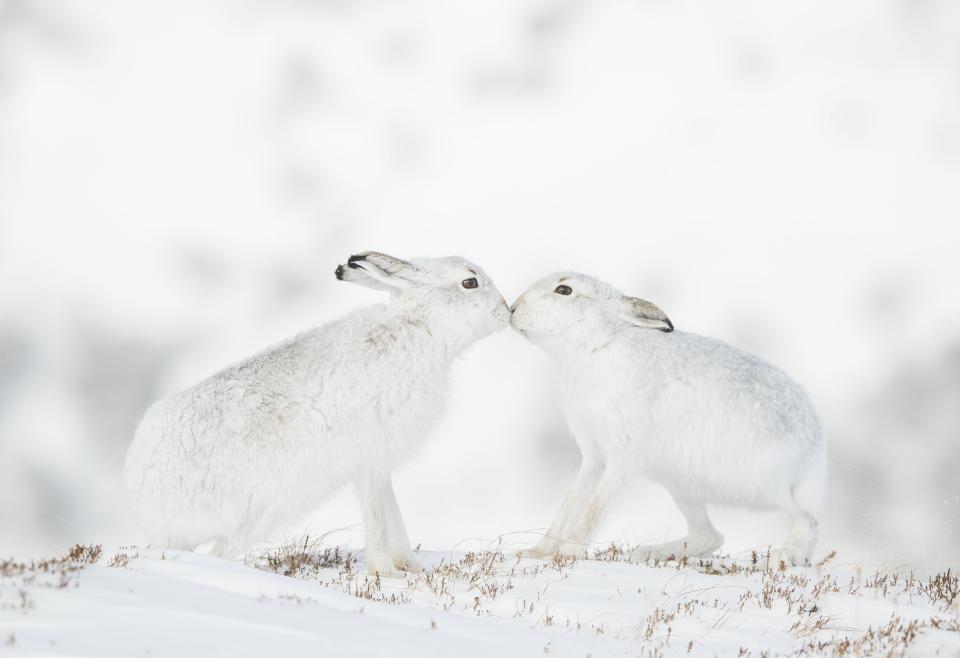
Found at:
<point>710,423</point>
<point>266,440</point>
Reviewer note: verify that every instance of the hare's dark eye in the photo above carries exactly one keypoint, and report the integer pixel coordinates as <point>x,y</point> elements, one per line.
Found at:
<point>469,283</point>
<point>563,290</point>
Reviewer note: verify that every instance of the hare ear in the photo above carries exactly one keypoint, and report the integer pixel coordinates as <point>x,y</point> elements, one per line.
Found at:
<point>375,270</point>
<point>641,313</point>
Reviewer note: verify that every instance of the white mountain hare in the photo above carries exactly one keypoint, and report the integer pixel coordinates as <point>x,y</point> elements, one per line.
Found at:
<point>264,441</point>
<point>710,423</point>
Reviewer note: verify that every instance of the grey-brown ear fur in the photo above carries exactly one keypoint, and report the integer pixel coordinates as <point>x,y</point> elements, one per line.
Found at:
<point>376,270</point>
<point>646,314</point>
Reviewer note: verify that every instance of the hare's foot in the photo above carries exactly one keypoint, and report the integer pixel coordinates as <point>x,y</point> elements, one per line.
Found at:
<point>786,556</point>
<point>544,548</point>
<point>798,547</point>
<point>395,572</point>
<point>388,566</point>
<point>693,546</point>
<point>571,549</point>
<point>671,550</point>
<point>567,550</point>
<point>533,553</point>
<point>228,548</point>
<point>406,562</point>
<point>546,551</point>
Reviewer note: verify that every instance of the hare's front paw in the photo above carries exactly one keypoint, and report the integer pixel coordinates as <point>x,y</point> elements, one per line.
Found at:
<point>407,564</point>
<point>533,553</point>
<point>785,557</point>
<point>578,551</point>
<point>674,550</point>
<point>542,549</point>
<point>567,550</point>
<point>389,567</point>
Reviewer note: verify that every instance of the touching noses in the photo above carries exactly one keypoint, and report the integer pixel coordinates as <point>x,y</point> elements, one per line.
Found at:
<point>502,311</point>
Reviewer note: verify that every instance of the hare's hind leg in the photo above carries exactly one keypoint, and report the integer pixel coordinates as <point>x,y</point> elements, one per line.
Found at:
<point>803,501</point>
<point>702,538</point>
<point>803,508</point>
<point>798,548</point>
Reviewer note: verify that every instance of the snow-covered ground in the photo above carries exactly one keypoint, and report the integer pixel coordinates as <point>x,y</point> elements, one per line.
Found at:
<point>178,180</point>
<point>136,601</point>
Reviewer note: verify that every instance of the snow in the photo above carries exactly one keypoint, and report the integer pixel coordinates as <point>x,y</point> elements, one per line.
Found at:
<point>179,179</point>
<point>149,601</point>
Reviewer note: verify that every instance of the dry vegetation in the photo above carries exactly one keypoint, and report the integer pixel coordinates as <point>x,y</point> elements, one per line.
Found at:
<point>18,578</point>
<point>798,603</point>
<point>478,581</point>
<point>306,559</point>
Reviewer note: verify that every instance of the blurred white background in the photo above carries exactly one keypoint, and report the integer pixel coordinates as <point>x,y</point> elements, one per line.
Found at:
<point>179,179</point>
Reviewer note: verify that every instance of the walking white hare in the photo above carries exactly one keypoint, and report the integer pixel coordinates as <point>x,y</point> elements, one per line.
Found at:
<point>710,423</point>
<point>264,441</point>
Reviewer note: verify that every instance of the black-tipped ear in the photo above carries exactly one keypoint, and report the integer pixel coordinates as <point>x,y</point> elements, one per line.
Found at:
<point>642,313</point>
<point>374,261</point>
<point>375,270</point>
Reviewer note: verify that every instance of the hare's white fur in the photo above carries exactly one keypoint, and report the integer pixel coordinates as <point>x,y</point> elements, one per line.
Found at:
<point>264,441</point>
<point>709,422</point>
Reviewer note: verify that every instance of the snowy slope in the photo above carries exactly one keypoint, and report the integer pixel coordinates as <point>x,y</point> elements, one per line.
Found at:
<point>179,179</point>
<point>143,601</point>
